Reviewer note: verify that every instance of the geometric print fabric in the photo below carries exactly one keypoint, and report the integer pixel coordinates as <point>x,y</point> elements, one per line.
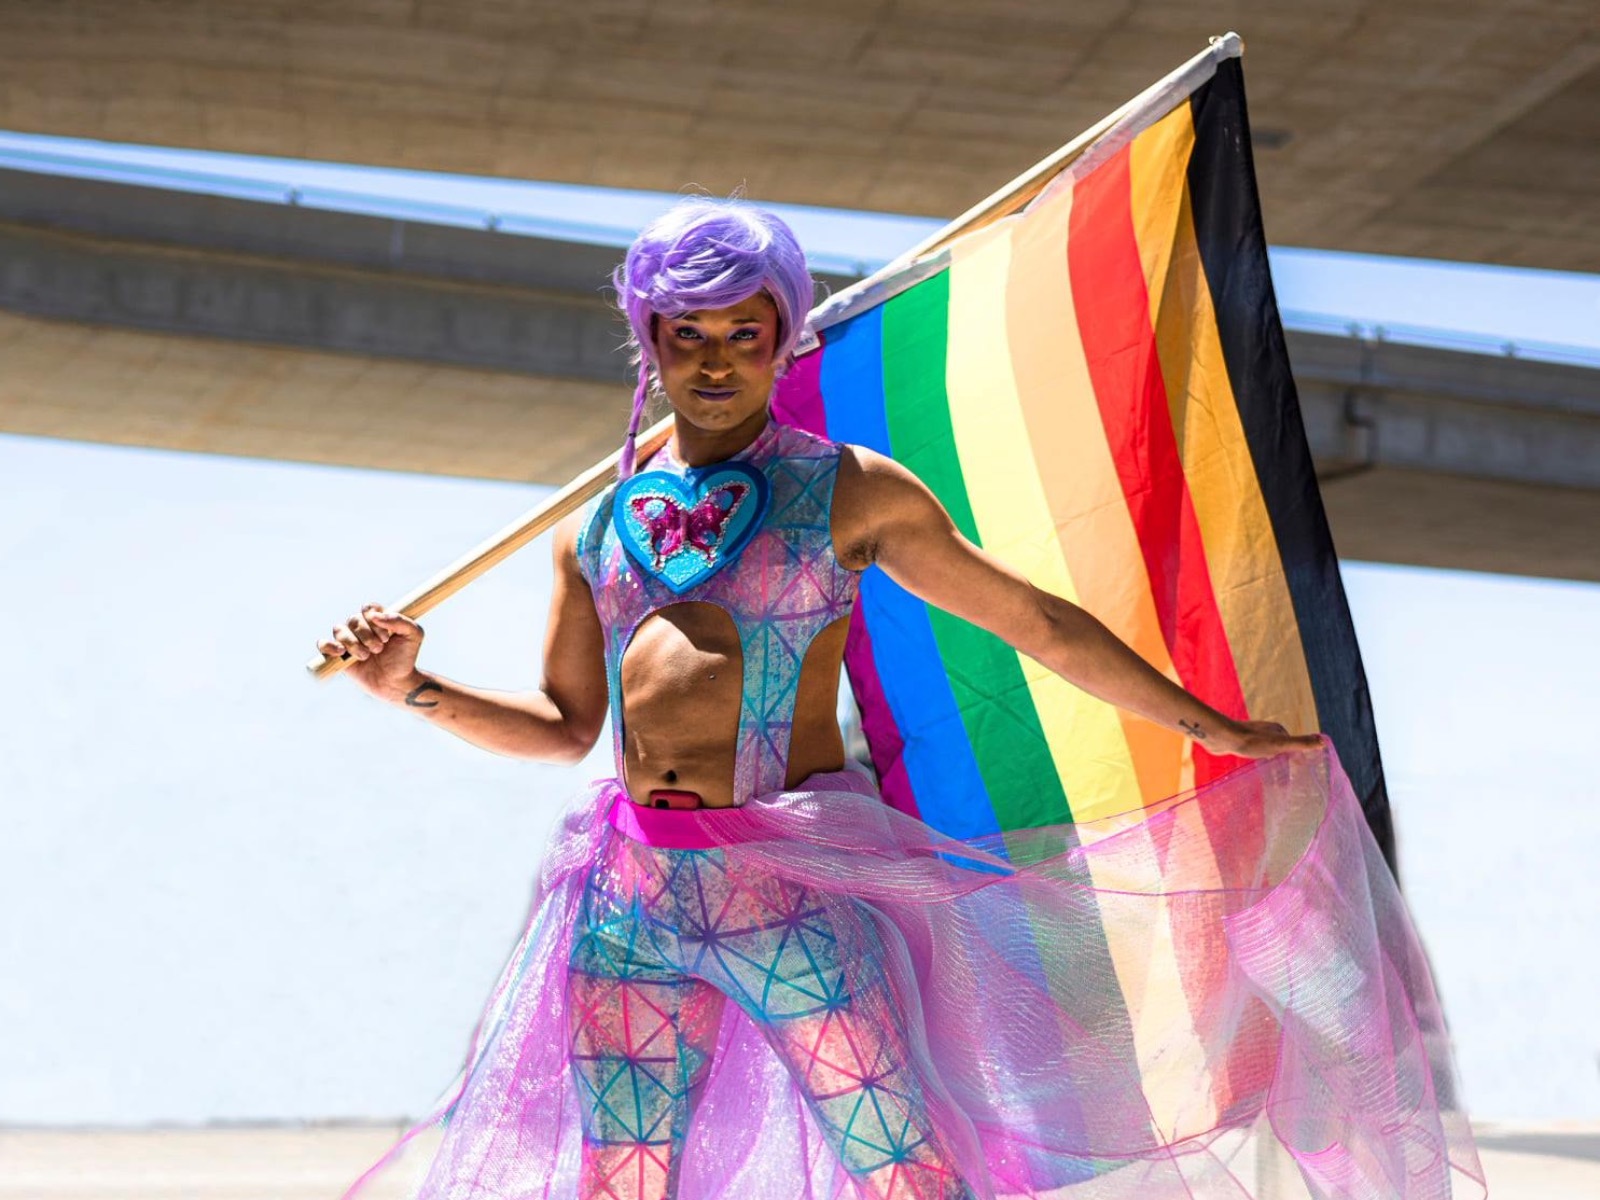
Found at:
<point>664,939</point>
<point>666,936</point>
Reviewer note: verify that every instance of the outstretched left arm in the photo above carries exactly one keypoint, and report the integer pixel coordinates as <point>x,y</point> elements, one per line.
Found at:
<point>884,514</point>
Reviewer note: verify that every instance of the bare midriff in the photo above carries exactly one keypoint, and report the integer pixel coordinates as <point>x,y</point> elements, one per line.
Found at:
<point>682,676</point>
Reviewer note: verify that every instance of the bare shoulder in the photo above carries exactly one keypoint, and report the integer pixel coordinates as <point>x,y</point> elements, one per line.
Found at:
<point>864,473</point>
<point>564,542</point>
<point>874,495</point>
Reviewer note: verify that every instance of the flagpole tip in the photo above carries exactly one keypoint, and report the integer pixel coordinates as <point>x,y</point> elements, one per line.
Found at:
<point>1227,45</point>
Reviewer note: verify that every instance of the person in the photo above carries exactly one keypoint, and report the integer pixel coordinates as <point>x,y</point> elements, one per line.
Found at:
<point>746,975</point>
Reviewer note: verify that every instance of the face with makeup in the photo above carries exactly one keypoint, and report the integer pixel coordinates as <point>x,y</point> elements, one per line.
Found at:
<point>718,365</point>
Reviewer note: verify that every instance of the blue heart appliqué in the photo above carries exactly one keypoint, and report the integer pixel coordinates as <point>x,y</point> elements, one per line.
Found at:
<point>684,529</point>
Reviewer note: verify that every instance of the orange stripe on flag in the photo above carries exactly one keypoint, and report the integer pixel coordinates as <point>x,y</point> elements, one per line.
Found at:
<point>1106,562</point>
<point>1119,344</point>
<point>1246,570</point>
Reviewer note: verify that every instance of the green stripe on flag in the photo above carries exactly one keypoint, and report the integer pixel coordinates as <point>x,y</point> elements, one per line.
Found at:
<point>985,675</point>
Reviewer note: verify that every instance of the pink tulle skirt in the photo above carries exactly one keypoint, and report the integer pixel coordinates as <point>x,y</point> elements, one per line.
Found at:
<point>1102,1010</point>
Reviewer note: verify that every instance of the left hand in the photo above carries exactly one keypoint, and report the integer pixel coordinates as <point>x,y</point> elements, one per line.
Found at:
<point>1260,739</point>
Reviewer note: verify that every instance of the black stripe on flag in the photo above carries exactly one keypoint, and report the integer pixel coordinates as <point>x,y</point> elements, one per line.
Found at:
<point>1233,249</point>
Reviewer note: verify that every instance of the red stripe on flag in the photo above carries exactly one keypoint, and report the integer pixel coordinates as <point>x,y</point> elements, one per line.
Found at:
<point>1113,305</point>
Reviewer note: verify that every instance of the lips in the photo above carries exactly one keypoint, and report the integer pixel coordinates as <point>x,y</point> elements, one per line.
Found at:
<point>715,393</point>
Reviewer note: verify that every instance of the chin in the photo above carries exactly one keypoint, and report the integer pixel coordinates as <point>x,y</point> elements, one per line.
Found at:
<point>714,418</point>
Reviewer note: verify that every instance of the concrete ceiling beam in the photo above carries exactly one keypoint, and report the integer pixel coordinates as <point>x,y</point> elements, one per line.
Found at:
<point>1464,131</point>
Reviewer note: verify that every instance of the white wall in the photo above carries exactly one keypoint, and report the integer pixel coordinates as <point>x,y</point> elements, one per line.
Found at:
<point>1485,692</point>
<point>228,893</point>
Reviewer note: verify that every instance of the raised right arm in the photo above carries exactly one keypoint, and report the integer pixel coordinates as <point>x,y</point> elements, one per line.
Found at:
<point>558,722</point>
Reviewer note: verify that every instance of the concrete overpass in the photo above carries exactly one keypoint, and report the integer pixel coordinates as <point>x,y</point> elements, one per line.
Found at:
<point>147,316</point>
<point>1463,130</point>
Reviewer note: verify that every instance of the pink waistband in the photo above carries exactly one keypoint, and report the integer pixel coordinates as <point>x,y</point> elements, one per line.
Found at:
<point>707,828</point>
<point>675,828</point>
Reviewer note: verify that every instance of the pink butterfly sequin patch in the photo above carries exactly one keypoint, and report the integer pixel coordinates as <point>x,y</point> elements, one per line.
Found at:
<point>683,529</point>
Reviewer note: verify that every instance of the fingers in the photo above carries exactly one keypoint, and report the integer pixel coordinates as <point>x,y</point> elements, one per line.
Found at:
<point>370,639</point>
<point>329,647</point>
<point>365,634</point>
<point>350,643</point>
<point>1281,741</point>
<point>394,624</point>
<point>1264,739</point>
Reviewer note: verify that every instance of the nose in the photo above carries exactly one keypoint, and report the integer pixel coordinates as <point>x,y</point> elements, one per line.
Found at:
<point>714,362</point>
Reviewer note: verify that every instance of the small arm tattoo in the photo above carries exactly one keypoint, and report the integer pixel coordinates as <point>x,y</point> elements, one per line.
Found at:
<point>414,700</point>
<point>1192,728</point>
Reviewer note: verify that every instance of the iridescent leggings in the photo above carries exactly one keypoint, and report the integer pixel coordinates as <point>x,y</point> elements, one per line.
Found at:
<point>665,936</point>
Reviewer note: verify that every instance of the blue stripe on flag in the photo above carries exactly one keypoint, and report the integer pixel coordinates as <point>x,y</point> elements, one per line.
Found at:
<point>944,777</point>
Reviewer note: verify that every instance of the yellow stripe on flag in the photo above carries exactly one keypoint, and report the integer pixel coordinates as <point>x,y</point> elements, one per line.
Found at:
<point>1014,521</point>
<point>1088,511</point>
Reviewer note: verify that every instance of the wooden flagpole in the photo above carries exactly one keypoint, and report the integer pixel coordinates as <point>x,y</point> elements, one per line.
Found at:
<point>497,548</point>
<point>1016,194</point>
<point>1009,199</point>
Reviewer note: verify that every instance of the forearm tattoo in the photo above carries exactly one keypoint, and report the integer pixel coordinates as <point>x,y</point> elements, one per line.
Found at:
<point>414,697</point>
<point>1192,728</point>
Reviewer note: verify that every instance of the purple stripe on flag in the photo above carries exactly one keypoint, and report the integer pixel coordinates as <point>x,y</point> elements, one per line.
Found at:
<point>797,400</point>
<point>877,720</point>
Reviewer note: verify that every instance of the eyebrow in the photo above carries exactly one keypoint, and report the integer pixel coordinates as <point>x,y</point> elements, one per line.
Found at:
<point>695,316</point>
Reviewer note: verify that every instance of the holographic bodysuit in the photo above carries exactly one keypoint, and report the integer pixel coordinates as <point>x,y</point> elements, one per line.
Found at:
<point>782,588</point>
<point>668,930</point>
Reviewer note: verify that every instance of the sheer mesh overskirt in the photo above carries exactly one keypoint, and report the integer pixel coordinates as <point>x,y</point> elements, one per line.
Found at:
<point>1100,1010</point>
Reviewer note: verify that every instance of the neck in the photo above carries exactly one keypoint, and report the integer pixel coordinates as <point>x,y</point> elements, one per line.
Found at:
<point>696,447</point>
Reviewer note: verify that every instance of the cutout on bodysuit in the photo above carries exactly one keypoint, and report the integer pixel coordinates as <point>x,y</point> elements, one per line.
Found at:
<point>727,713</point>
<point>817,683</point>
<point>810,666</point>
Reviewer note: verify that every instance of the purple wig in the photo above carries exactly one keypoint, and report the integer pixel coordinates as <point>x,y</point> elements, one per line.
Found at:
<point>705,253</point>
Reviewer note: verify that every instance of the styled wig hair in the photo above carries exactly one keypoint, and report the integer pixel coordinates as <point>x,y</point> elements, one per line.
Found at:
<point>705,253</point>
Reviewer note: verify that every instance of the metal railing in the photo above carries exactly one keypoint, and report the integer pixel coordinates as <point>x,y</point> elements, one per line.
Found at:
<point>1377,333</point>
<point>292,188</point>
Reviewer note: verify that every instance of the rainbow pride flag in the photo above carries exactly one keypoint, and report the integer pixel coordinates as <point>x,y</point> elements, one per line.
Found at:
<point>1097,388</point>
